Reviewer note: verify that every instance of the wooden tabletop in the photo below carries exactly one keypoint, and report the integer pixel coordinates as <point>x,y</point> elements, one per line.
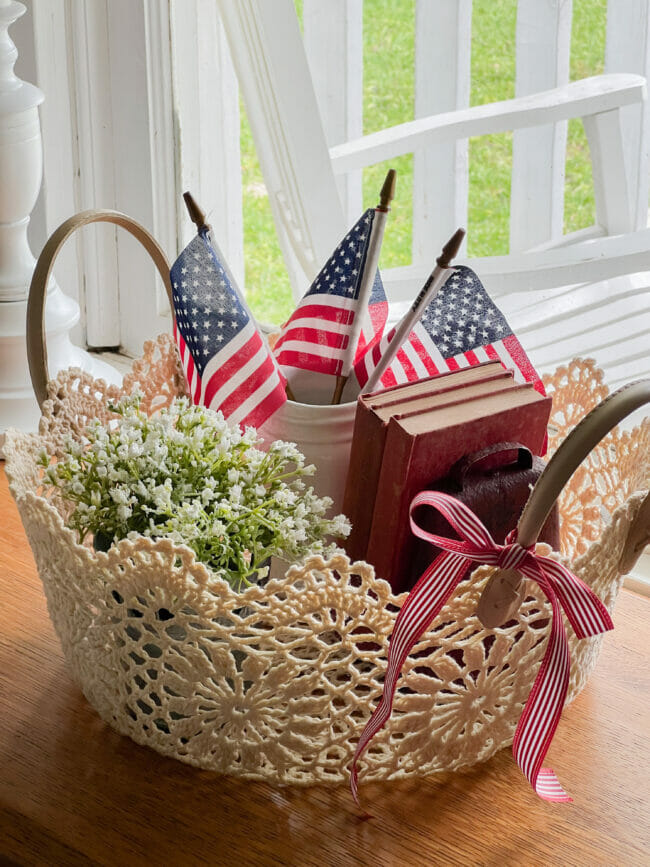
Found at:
<point>72,791</point>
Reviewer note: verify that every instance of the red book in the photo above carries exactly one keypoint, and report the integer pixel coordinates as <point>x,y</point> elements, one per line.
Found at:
<point>422,447</point>
<point>372,416</point>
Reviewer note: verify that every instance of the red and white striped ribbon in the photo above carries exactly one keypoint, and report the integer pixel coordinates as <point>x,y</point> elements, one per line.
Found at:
<point>584,610</point>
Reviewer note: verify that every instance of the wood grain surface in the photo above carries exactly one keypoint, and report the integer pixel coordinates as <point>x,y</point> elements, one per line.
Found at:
<point>72,791</point>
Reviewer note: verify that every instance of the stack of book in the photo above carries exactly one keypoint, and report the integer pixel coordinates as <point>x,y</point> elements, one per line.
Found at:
<point>409,436</point>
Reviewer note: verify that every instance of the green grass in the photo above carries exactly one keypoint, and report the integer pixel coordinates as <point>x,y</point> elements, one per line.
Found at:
<point>388,99</point>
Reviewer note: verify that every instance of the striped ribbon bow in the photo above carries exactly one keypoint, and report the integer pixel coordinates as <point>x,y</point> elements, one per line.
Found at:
<point>584,610</point>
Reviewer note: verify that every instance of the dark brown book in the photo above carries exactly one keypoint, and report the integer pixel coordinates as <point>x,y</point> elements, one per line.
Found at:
<point>372,415</point>
<point>422,447</point>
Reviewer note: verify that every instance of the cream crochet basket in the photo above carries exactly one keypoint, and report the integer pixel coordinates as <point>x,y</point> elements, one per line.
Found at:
<point>276,683</point>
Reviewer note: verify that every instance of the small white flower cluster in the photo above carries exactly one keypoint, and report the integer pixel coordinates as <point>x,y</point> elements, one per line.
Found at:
<point>184,473</point>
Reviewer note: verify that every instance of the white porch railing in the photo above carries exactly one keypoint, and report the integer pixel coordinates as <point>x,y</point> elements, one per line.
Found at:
<point>145,101</point>
<point>443,45</point>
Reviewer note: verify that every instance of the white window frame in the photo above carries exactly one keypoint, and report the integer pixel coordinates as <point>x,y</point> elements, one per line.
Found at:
<point>141,103</point>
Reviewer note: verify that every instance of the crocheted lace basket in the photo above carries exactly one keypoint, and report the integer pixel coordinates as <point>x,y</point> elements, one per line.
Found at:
<point>276,683</point>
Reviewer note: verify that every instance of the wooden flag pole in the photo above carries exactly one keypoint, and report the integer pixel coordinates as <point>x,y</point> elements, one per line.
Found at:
<point>367,279</point>
<point>197,216</point>
<point>432,286</point>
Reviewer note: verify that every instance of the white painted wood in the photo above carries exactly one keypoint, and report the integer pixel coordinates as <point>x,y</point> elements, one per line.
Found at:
<point>162,141</point>
<point>206,106</point>
<point>543,43</point>
<point>144,171</point>
<point>274,76</point>
<point>595,321</point>
<point>613,203</point>
<point>628,50</point>
<point>174,125</point>
<point>169,103</point>
<point>594,336</point>
<point>58,199</point>
<point>126,113</point>
<point>565,316</point>
<point>442,84</point>
<point>22,34</point>
<point>21,163</point>
<point>110,63</point>
<point>333,37</point>
<point>20,180</point>
<point>89,54</point>
<point>585,262</point>
<point>578,99</point>
<point>585,234</point>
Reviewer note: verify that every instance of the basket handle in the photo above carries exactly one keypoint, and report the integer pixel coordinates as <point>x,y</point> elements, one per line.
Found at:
<point>36,347</point>
<point>573,450</point>
<point>503,592</point>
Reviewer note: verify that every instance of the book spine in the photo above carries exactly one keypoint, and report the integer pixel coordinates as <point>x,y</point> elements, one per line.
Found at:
<point>363,475</point>
<point>390,502</point>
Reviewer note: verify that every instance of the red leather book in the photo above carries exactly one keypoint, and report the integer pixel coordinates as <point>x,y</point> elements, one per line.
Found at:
<point>422,447</point>
<point>372,415</point>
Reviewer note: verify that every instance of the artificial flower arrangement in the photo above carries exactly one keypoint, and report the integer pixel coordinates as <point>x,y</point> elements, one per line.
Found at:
<point>185,474</point>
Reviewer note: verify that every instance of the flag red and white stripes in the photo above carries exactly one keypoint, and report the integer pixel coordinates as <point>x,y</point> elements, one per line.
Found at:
<point>316,336</point>
<point>227,365</point>
<point>460,327</point>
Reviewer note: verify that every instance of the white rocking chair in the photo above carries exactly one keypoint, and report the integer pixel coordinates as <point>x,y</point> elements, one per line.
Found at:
<point>546,285</point>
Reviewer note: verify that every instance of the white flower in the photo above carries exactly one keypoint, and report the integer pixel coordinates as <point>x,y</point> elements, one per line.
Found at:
<point>286,497</point>
<point>185,474</point>
<point>119,496</point>
<point>207,494</point>
<point>218,529</point>
<point>285,450</point>
<point>161,495</point>
<point>340,526</point>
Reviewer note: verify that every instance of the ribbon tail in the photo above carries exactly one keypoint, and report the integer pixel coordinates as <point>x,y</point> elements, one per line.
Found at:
<point>584,610</point>
<point>548,787</point>
<point>543,708</point>
<point>422,605</point>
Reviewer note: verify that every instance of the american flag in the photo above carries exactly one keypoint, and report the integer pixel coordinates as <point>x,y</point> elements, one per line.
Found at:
<point>461,326</point>
<point>227,364</point>
<point>317,334</point>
